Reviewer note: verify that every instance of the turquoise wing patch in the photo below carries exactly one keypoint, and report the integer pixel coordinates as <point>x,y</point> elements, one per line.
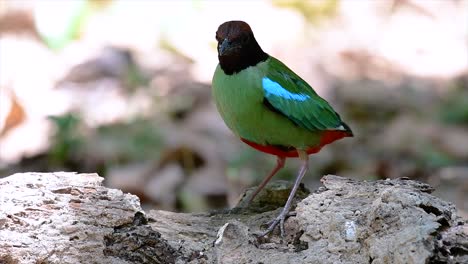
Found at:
<point>292,97</point>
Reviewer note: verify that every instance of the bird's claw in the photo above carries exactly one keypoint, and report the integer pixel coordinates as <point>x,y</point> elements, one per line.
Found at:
<point>278,220</point>
<point>272,224</point>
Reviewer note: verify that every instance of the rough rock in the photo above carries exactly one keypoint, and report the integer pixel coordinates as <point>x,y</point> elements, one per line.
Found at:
<point>72,218</point>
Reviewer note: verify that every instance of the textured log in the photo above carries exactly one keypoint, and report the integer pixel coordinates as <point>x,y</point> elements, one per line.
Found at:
<point>72,218</point>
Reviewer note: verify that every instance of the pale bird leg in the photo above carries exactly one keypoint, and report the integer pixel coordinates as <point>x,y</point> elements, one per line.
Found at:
<point>284,213</point>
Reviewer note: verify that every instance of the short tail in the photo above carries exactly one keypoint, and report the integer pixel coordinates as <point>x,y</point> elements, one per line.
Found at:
<point>347,129</point>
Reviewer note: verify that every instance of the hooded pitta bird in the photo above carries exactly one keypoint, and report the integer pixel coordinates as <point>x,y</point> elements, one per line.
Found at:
<point>269,107</point>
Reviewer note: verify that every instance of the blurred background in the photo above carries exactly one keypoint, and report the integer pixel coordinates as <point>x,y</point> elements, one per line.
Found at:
<point>122,88</point>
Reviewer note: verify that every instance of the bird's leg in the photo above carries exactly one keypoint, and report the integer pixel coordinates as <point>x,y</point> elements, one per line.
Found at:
<point>284,213</point>
<point>279,164</point>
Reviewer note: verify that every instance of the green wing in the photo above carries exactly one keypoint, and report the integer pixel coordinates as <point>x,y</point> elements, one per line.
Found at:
<point>287,94</point>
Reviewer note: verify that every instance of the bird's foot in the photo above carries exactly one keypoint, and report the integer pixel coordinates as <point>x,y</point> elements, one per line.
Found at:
<point>278,220</point>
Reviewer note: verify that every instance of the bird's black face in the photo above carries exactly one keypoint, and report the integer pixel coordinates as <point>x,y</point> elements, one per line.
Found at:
<point>237,47</point>
<point>233,38</point>
<point>233,45</point>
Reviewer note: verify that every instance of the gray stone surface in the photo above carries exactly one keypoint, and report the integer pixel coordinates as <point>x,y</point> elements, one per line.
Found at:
<point>72,218</point>
<point>59,217</point>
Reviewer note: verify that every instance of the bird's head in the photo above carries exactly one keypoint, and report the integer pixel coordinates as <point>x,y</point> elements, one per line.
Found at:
<point>233,37</point>
<point>237,47</point>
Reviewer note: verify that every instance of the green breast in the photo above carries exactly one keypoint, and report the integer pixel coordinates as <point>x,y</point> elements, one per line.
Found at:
<point>239,99</point>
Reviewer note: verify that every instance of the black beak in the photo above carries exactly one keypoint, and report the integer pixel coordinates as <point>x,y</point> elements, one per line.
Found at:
<point>228,47</point>
<point>223,48</point>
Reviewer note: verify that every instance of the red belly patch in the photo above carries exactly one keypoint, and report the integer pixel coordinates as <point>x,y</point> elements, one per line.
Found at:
<point>327,138</point>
